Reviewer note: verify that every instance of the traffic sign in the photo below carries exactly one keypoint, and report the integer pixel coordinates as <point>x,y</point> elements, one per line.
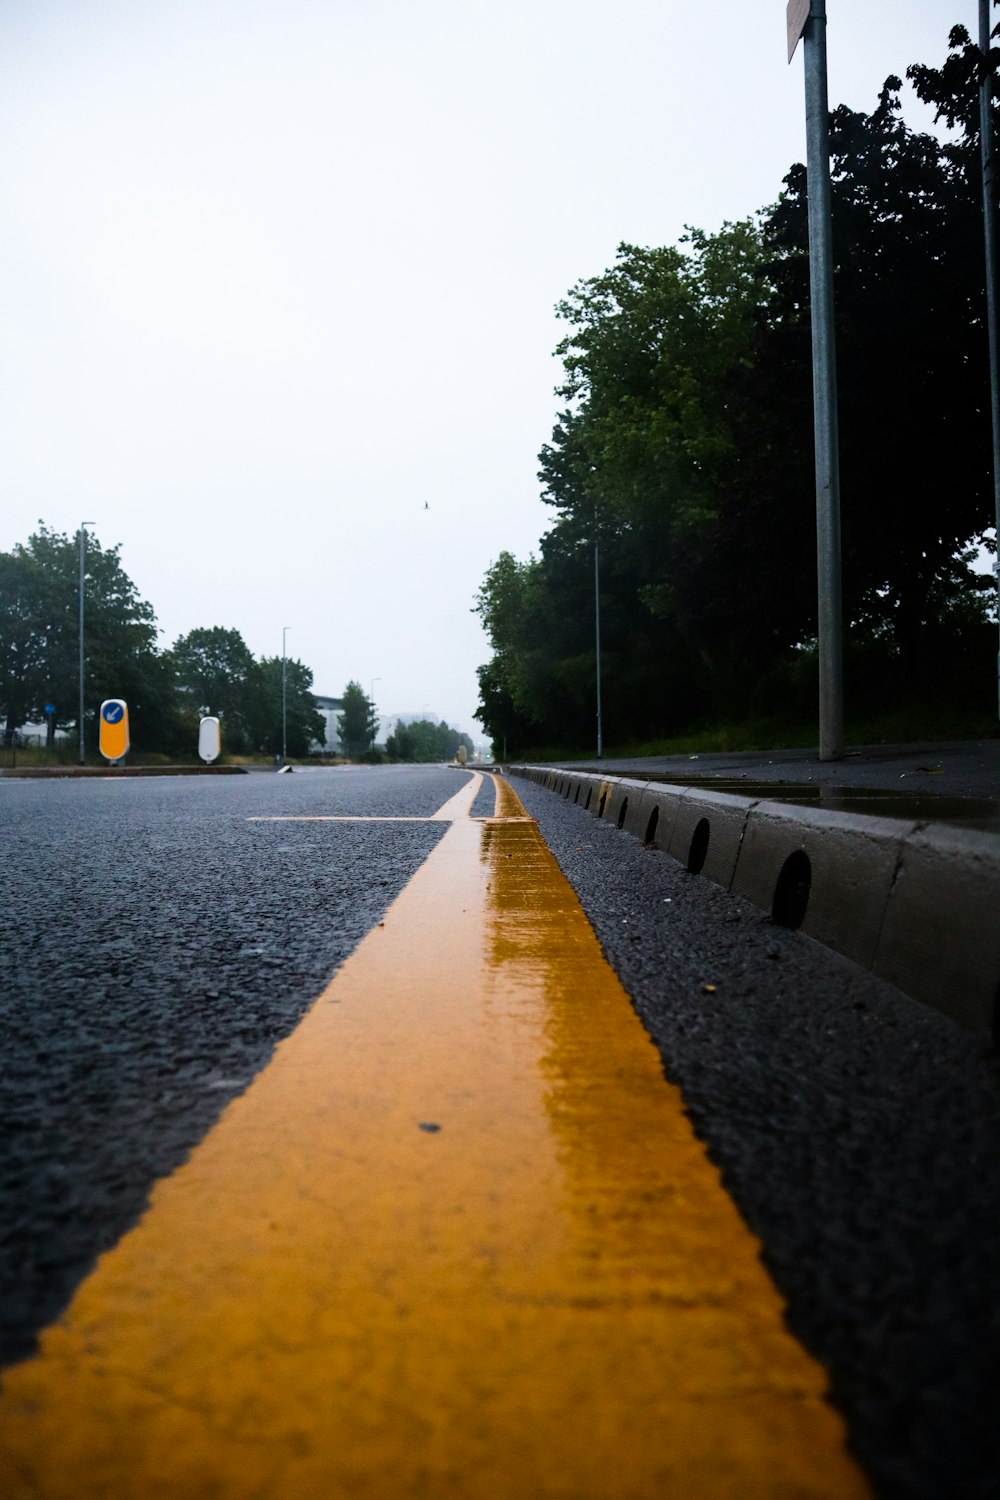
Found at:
<point>796,16</point>
<point>114,735</point>
<point>209,739</point>
<point>50,708</point>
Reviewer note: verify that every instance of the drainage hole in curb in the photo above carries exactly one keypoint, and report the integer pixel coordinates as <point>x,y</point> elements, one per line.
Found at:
<point>791,893</point>
<point>576,794</point>
<point>699,847</point>
<point>600,809</point>
<point>621,815</point>
<point>654,818</point>
<point>587,803</point>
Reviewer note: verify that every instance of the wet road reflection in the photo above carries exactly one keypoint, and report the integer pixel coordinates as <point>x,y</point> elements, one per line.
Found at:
<point>457,1239</point>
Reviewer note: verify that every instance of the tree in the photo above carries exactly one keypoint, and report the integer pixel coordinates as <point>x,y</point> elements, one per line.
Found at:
<point>354,724</point>
<point>912,368</point>
<point>216,673</point>
<point>685,451</point>
<point>426,742</point>
<point>39,617</point>
<point>401,744</point>
<point>634,465</point>
<point>300,725</point>
<point>22,643</point>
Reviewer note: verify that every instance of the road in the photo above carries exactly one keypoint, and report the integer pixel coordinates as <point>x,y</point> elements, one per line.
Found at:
<point>858,1132</point>
<point>162,937</point>
<point>157,946</point>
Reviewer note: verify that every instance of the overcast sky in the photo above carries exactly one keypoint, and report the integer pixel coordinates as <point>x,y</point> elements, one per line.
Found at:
<point>276,275</point>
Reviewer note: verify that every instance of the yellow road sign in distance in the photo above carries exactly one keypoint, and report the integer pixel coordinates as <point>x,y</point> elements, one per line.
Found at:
<point>209,739</point>
<point>114,739</point>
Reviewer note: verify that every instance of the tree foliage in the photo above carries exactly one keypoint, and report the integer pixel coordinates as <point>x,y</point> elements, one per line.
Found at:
<point>684,453</point>
<point>281,707</point>
<point>209,670</point>
<point>426,742</point>
<point>40,638</point>
<point>355,724</point>
<point>217,674</point>
<point>265,706</point>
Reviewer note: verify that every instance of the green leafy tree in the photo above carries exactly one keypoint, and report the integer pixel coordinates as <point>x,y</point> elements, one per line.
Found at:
<point>426,742</point>
<point>684,450</point>
<point>39,617</point>
<point>22,641</point>
<point>912,368</point>
<point>300,725</point>
<point>401,744</point>
<point>217,674</point>
<point>355,723</point>
<point>633,466</point>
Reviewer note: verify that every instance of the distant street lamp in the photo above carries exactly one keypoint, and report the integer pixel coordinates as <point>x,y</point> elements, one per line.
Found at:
<point>284,695</point>
<point>371,700</point>
<point>83,547</point>
<point>597,642</point>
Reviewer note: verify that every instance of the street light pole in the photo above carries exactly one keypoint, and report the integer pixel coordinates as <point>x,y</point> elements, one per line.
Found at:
<point>284,696</point>
<point>989,234</point>
<point>809,20</point>
<point>371,700</point>
<point>597,644</point>
<point>83,546</point>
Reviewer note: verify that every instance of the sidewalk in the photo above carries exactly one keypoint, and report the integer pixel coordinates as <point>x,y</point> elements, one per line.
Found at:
<point>969,768</point>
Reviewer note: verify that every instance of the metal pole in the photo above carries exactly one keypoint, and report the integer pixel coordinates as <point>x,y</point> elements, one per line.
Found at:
<point>371,700</point>
<point>989,233</point>
<point>831,670</point>
<point>597,644</point>
<point>83,545</point>
<point>284,697</point>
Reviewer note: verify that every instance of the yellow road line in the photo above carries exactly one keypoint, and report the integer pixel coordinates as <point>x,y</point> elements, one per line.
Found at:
<point>457,1240</point>
<point>357,818</point>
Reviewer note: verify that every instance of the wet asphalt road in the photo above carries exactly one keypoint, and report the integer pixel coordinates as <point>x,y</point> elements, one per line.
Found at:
<point>156,946</point>
<point>858,1132</point>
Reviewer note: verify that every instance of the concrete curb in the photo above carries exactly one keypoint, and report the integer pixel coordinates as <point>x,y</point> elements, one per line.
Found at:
<point>916,903</point>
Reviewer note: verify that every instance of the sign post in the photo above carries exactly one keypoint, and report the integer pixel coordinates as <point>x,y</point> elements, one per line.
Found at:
<point>807,18</point>
<point>114,740</point>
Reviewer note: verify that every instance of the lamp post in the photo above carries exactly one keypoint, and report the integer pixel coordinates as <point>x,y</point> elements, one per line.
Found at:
<point>284,695</point>
<point>990,237</point>
<point>807,20</point>
<point>371,700</point>
<point>597,642</point>
<point>83,548</point>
